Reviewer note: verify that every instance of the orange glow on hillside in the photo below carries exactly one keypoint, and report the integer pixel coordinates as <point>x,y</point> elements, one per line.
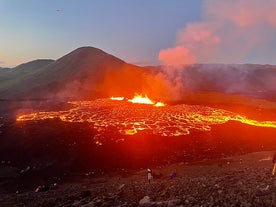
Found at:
<point>117,98</point>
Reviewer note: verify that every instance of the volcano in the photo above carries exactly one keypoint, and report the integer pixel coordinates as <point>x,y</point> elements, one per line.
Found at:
<point>84,73</point>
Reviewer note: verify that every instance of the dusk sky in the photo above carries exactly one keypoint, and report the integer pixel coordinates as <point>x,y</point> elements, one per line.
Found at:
<point>143,32</point>
<point>134,31</point>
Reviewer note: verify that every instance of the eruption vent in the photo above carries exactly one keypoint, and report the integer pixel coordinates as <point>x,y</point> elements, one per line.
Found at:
<point>141,100</point>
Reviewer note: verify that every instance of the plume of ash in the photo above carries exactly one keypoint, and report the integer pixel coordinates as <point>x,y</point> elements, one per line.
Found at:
<point>236,31</point>
<point>163,88</point>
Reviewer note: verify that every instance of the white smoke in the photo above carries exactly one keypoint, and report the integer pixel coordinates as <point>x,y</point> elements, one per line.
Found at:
<point>235,31</point>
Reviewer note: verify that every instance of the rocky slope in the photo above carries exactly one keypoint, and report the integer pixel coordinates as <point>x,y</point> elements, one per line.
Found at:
<point>234,181</point>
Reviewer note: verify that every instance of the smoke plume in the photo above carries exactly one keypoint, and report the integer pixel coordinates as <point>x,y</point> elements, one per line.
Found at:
<point>176,56</point>
<point>235,31</point>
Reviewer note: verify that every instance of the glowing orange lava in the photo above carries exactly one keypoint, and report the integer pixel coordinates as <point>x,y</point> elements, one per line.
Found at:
<point>144,100</point>
<point>117,98</point>
<point>130,119</point>
<point>158,104</point>
<point>141,100</point>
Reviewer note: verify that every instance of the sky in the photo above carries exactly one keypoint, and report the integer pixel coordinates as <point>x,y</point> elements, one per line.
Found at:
<point>142,32</point>
<point>133,30</point>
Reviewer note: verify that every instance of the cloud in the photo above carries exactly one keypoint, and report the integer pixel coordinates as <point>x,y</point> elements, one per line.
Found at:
<point>233,31</point>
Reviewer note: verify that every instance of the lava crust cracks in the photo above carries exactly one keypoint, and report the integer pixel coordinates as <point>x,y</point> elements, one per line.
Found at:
<point>129,118</point>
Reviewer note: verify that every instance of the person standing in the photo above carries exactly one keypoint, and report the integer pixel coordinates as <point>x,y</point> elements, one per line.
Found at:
<point>274,164</point>
<point>173,174</point>
<point>150,177</point>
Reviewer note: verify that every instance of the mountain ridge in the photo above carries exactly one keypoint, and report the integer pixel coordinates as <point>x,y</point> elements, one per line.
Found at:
<point>71,75</point>
<point>89,72</point>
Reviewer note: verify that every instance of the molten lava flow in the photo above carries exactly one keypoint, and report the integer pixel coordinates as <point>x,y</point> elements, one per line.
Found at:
<point>130,119</point>
<point>117,98</point>
<point>141,100</point>
<point>158,104</point>
<point>255,122</point>
<point>130,131</point>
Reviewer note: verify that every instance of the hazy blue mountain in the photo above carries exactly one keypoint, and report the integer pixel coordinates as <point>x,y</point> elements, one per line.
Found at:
<point>86,72</point>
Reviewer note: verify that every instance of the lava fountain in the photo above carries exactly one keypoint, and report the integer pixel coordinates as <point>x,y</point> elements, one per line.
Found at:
<point>141,100</point>
<point>144,100</point>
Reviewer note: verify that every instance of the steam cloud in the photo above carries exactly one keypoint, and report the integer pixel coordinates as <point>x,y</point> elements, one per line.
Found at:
<point>233,31</point>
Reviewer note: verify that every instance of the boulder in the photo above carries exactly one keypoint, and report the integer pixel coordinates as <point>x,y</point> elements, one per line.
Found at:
<point>144,201</point>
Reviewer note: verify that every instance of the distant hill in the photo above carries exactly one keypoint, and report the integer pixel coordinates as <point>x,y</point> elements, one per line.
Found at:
<point>32,65</point>
<point>85,73</point>
<point>10,77</point>
<point>233,78</point>
<point>88,73</point>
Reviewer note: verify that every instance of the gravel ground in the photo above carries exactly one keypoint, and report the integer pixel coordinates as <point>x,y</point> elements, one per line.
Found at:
<point>235,181</point>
